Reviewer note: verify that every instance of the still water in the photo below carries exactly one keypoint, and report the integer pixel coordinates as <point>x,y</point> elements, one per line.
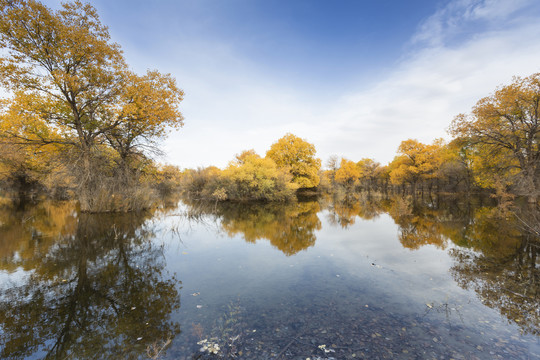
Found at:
<point>364,277</point>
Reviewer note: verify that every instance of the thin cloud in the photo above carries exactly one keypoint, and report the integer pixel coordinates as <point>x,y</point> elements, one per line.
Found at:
<point>445,72</point>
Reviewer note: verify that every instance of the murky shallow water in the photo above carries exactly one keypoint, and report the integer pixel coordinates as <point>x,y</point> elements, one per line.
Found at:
<point>363,278</point>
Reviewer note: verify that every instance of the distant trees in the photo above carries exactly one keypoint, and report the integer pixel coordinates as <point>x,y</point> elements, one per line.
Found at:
<point>415,162</point>
<point>289,165</point>
<point>496,149</point>
<point>348,173</point>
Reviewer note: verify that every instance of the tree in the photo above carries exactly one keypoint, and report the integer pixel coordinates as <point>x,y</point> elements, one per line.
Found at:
<point>64,71</point>
<point>348,173</point>
<point>298,157</point>
<point>368,171</point>
<point>505,128</point>
<point>415,161</point>
<point>332,164</point>
<point>149,106</point>
<point>63,68</point>
<point>251,177</point>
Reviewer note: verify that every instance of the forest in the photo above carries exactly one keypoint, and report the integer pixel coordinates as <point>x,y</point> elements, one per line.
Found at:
<point>76,122</point>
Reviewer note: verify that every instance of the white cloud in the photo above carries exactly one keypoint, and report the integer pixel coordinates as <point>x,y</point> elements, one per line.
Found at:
<point>231,106</point>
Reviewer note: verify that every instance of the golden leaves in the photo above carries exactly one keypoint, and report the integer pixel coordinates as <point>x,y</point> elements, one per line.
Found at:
<point>298,157</point>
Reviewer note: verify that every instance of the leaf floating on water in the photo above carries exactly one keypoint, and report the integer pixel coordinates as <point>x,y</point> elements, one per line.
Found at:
<point>196,294</point>
<point>429,306</point>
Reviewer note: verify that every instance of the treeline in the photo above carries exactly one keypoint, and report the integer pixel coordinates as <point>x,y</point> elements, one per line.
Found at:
<point>290,165</point>
<point>495,148</point>
<point>78,122</point>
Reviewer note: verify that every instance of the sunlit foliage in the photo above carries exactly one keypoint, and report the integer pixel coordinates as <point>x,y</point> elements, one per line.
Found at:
<point>254,178</point>
<point>73,94</point>
<point>505,131</point>
<point>348,173</point>
<point>297,156</point>
<point>415,161</point>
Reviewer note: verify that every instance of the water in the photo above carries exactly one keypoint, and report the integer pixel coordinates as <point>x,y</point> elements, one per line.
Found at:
<point>364,277</point>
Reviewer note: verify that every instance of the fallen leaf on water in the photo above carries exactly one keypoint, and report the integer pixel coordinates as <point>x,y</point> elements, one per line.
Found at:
<point>196,294</point>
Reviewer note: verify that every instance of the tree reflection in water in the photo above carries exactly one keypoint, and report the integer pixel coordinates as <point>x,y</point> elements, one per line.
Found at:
<point>95,285</point>
<point>343,210</point>
<point>290,227</point>
<point>494,253</point>
<point>502,267</point>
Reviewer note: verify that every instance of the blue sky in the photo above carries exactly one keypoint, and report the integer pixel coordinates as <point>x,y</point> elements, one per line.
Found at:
<point>353,77</point>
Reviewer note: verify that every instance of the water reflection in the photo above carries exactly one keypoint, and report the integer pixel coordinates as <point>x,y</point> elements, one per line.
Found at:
<point>491,252</point>
<point>289,227</point>
<point>503,270</point>
<point>94,286</point>
<point>97,286</point>
<point>344,210</point>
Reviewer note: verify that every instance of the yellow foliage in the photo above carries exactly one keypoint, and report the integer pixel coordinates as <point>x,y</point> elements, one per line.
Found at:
<point>504,129</point>
<point>348,173</point>
<point>297,156</point>
<point>415,161</point>
<point>257,178</point>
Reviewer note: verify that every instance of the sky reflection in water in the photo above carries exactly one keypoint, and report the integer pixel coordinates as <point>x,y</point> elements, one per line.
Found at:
<point>364,276</point>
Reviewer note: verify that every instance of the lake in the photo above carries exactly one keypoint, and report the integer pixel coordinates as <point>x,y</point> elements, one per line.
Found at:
<point>356,277</point>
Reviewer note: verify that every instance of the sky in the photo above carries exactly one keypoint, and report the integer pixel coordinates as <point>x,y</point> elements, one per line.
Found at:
<point>352,77</point>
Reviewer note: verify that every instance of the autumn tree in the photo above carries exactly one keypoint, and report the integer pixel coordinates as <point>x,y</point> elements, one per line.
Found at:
<point>148,108</point>
<point>63,69</point>
<point>348,173</point>
<point>332,164</point>
<point>251,177</point>
<point>24,167</point>
<point>368,171</point>
<point>297,156</point>
<point>456,165</point>
<point>415,161</point>
<point>505,128</point>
